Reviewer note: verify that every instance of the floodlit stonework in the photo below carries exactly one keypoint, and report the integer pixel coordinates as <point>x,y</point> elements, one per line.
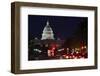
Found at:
<point>47,32</point>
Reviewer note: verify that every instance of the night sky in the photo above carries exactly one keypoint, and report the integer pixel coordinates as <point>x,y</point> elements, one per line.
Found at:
<point>63,27</point>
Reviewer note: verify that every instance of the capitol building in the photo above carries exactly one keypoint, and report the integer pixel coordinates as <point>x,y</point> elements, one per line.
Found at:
<point>47,32</point>
<point>47,37</point>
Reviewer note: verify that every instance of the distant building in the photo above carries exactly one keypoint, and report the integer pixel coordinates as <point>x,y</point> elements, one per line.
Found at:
<point>48,37</point>
<point>47,32</point>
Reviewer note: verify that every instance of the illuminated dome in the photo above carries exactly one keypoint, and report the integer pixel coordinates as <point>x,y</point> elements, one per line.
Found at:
<point>47,32</point>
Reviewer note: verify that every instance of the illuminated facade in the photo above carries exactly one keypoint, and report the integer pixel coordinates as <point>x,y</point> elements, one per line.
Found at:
<point>47,32</point>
